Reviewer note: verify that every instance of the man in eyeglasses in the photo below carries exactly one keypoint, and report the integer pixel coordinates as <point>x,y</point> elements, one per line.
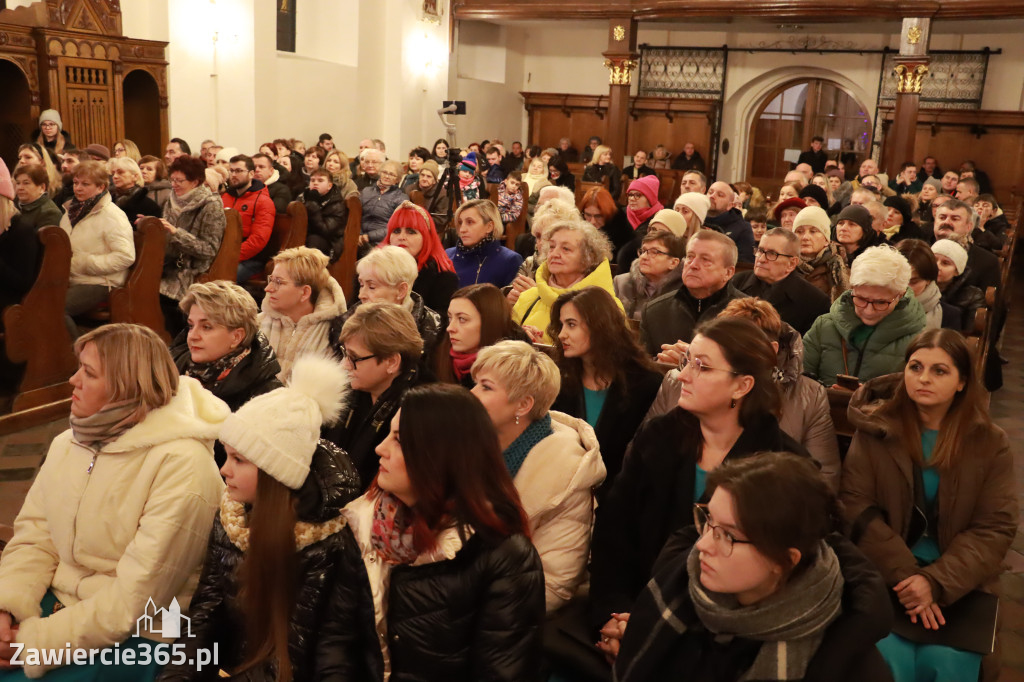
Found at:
<point>251,199</point>
<point>776,280</point>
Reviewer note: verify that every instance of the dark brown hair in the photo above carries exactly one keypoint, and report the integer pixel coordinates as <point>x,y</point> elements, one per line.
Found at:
<point>161,167</point>
<point>192,168</point>
<point>748,352</point>
<point>613,348</point>
<point>676,246</point>
<point>35,172</point>
<point>495,325</point>
<point>782,502</point>
<point>921,258</point>
<point>967,412</point>
<point>267,576</point>
<point>455,465</point>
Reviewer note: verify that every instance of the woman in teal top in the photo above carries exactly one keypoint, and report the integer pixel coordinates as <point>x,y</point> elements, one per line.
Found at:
<point>928,490</point>
<point>607,378</point>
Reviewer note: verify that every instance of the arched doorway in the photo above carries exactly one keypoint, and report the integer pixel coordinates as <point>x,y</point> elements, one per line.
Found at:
<point>16,122</point>
<point>142,112</point>
<point>795,112</point>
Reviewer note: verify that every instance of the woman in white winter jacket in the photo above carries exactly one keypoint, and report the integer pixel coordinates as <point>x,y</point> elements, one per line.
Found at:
<point>554,459</point>
<point>119,515</point>
<point>102,245</point>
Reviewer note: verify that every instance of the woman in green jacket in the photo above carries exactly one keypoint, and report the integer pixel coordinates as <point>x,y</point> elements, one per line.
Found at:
<point>869,327</point>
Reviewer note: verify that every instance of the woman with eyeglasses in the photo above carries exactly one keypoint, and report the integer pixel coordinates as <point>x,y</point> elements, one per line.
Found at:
<point>380,348</point>
<point>607,378</point>
<point>761,587</point>
<point>194,220</point>
<point>869,327</point>
<point>929,491</point>
<point>727,410</point>
<point>658,268</point>
<point>380,200</point>
<point>641,205</point>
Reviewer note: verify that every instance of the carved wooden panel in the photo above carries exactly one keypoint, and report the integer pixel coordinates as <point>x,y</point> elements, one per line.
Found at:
<point>87,99</point>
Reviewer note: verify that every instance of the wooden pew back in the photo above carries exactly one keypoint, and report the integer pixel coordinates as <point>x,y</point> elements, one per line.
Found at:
<point>138,301</point>
<point>344,268</point>
<point>225,264</point>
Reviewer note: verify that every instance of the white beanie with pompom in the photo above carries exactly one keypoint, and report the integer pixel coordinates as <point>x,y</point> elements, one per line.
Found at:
<point>279,431</point>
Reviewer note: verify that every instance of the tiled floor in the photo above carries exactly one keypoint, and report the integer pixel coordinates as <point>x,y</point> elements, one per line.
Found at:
<point>22,453</point>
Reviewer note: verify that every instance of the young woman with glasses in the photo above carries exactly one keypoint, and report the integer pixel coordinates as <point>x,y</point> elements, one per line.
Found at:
<point>762,565</point>
<point>727,410</point>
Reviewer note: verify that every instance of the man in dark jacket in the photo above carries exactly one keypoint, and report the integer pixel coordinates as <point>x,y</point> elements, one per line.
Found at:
<point>327,214</point>
<point>775,279</point>
<point>251,199</point>
<point>690,159</point>
<point>264,171</point>
<point>814,157</point>
<point>710,264</point>
<point>955,220</point>
<point>993,227</point>
<point>639,168</point>
<point>729,221</point>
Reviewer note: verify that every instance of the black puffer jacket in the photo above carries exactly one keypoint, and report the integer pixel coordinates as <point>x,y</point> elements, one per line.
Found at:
<point>137,204</point>
<point>323,563</point>
<point>428,324</point>
<point>328,214</point>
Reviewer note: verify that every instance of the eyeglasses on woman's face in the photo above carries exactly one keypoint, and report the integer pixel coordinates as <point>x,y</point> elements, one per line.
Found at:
<point>723,538</point>
<point>353,358</point>
<point>699,366</point>
<point>877,304</point>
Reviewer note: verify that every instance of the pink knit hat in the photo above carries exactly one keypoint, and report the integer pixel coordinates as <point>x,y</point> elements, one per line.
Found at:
<point>648,185</point>
<point>6,184</point>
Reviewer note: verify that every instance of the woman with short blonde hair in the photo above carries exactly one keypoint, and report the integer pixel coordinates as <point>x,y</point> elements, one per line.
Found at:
<point>301,304</point>
<point>554,459</point>
<point>135,427</point>
<point>479,257</point>
<point>126,149</point>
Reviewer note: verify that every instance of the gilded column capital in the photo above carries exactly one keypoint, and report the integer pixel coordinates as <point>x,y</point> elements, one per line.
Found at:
<point>620,70</point>
<point>909,77</point>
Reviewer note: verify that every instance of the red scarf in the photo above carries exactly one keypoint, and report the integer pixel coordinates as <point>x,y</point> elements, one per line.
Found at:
<point>462,363</point>
<point>638,218</point>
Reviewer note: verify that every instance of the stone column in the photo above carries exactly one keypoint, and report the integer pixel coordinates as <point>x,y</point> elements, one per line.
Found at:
<point>910,70</point>
<point>620,60</point>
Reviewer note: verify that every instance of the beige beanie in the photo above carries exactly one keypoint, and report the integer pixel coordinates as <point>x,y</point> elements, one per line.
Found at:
<point>696,202</point>
<point>279,431</point>
<point>816,217</point>
<point>671,220</point>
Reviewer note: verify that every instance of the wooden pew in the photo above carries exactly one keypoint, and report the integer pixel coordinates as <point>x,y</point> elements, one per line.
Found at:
<point>344,269</point>
<point>668,190</point>
<point>289,231</point>
<point>138,301</point>
<point>35,332</point>
<point>583,187</point>
<point>225,264</point>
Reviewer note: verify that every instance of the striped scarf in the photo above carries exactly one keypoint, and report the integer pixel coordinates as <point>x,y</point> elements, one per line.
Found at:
<point>107,424</point>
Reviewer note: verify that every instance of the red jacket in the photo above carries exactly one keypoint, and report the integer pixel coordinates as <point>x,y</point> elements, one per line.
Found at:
<point>258,213</point>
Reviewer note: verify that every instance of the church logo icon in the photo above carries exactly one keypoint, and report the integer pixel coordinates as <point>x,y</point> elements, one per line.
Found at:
<point>170,621</point>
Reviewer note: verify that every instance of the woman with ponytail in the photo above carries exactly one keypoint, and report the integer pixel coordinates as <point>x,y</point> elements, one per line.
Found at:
<point>458,589</point>
<point>279,543</point>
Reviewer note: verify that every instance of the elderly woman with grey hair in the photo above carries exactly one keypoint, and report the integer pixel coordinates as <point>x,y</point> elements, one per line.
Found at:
<point>577,257</point>
<point>554,459</point>
<point>869,327</point>
<point>129,190</point>
<point>554,210</point>
<point>387,275</point>
<point>380,200</point>
<point>368,169</point>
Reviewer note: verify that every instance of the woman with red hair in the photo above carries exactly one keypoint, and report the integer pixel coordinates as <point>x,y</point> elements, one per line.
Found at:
<point>412,229</point>
<point>600,210</point>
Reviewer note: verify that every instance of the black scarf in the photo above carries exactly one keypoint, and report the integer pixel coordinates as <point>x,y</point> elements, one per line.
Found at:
<point>212,374</point>
<point>79,209</point>
<point>476,248</point>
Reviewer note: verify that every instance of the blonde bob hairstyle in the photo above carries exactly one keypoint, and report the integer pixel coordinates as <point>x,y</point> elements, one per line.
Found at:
<point>881,266</point>
<point>130,166</point>
<point>135,363</point>
<point>522,371</point>
<point>385,329</point>
<point>131,150</point>
<point>308,267</point>
<point>392,265</point>
<point>598,153</point>
<point>343,175</point>
<point>225,303</point>
<point>94,171</point>
<point>488,213</point>
<point>594,246</point>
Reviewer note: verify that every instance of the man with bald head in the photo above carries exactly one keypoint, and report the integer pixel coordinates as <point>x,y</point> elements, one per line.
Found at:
<point>723,218</point>
<point>797,177</point>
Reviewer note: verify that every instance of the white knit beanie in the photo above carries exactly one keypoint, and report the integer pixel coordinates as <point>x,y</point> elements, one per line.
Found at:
<point>696,202</point>
<point>279,431</point>
<point>51,115</point>
<point>953,251</point>
<point>226,154</point>
<point>816,217</point>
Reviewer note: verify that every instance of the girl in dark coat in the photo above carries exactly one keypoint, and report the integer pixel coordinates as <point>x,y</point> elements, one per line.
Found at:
<point>280,544</point>
<point>327,213</point>
<point>796,602</point>
<point>458,589</point>
<point>607,378</point>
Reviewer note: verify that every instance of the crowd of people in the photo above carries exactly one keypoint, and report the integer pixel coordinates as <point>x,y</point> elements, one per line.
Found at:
<point>605,454</point>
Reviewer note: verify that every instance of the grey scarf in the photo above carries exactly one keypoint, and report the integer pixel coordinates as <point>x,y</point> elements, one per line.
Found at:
<point>790,622</point>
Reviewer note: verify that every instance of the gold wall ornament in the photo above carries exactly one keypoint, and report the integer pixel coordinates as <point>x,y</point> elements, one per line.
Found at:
<point>914,34</point>
<point>909,80</point>
<point>619,71</point>
<point>619,33</point>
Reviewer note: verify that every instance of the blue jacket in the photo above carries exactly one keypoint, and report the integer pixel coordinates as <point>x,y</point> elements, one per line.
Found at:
<point>490,263</point>
<point>377,210</point>
<point>732,224</point>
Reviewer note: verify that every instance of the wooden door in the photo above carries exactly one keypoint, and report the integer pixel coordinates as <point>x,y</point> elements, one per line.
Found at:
<point>85,90</point>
